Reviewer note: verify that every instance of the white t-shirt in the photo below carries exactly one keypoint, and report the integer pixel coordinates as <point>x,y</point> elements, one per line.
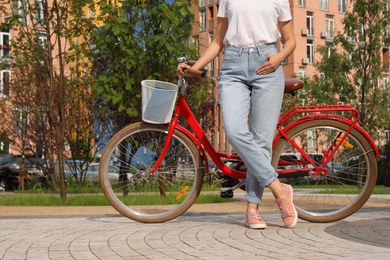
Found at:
<point>253,22</point>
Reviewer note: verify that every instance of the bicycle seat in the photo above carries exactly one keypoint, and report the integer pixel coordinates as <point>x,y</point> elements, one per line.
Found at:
<point>292,84</point>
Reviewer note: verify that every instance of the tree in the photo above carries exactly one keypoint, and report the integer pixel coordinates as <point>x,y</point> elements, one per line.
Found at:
<point>351,68</point>
<point>138,40</point>
<point>53,108</point>
<point>58,54</point>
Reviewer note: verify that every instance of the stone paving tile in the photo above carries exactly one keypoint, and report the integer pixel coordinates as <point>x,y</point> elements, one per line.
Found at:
<point>195,235</point>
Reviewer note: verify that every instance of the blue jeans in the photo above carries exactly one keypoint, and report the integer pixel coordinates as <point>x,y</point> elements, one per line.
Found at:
<point>241,91</point>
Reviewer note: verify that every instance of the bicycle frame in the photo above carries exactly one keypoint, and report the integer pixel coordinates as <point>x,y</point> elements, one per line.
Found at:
<point>200,139</point>
<point>309,112</point>
<point>320,112</point>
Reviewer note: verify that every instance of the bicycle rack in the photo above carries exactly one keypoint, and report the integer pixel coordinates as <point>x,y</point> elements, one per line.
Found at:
<point>320,109</point>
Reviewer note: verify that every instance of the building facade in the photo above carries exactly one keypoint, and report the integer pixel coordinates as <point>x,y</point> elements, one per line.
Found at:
<point>315,23</point>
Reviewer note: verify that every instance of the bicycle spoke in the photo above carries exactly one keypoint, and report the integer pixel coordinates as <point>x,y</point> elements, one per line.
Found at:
<point>337,189</point>
<point>145,196</point>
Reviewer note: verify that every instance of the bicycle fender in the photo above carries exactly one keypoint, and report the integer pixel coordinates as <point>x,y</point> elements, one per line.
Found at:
<point>331,117</point>
<point>196,142</point>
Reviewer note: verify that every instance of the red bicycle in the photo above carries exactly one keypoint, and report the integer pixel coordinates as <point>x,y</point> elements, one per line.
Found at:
<point>320,150</point>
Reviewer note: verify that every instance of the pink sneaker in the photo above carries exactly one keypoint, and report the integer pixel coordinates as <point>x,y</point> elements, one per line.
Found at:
<point>253,220</point>
<point>286,207</point>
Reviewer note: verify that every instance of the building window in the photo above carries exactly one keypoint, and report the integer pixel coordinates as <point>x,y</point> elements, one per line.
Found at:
<point>361,32</point>
<point>385,82</point>
<point>42,40</point>
<point>202,20</point>
<point>302,72</point>
<point>302,3</point>
<point>385,86</point>
<point>211,68</point>
<point>385,34</point>
<point>39,15</point>
<point>211,65</point>
<point>329,26</point>
<point>4,42</point>
<point>387,136</point>
<point>329,51</point>
<point>342,6</point>
<point>19,120</point>
<point>5,76</point>
<point>20,9</point>
<point>202,3</point>
<point>324,5</point>
<point>196,42</point>
<point>310,23</point>
<point>351,35</point>
<point>310,51</point>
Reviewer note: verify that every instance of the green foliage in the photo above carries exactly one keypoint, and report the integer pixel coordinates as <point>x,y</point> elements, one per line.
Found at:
<point>138,40</point>
<point>384,167</point>
<point>351,68</point>
<point>58,103</point>
<point>61,55</point>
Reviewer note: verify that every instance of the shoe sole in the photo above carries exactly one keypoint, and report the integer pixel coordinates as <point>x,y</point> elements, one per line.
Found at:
<point>256,226</point>
<point>295,211</point>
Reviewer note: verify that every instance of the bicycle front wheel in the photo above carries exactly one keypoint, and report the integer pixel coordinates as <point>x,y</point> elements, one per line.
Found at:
<point>150,197</point>
<point>346,182</point>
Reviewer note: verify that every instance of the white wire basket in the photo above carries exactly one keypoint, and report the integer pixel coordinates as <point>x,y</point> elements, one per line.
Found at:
<point>158,101</point>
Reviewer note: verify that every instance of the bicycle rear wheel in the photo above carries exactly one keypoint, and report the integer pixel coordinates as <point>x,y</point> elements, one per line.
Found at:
<point>136,193</point>
<point>349,177</point>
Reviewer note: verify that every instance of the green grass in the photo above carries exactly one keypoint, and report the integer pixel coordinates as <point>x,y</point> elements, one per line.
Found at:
<point>93,196</point>
<point>340,189</point>
<point>88,195</point>
<point>71,189</point>
<point>53,200</point>
<point>380,189</point>
<point>83,200</point>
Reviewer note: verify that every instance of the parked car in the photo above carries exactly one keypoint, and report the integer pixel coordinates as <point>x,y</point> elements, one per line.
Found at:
<point>72,169</point>
<point>93,172</point>
<point>113,173</point>
<point>12,166</point>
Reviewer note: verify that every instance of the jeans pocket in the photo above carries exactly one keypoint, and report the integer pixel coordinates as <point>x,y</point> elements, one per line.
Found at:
<point>230,56</point>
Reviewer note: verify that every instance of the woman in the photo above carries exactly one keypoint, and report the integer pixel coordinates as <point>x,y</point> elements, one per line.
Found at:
<point>251,79</point>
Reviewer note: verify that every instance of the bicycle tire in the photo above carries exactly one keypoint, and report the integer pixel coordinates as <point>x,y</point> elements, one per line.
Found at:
<point>351,177</point>
<point>126,181</point>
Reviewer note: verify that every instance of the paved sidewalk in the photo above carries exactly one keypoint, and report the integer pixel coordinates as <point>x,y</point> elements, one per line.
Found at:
<point>195,235</point>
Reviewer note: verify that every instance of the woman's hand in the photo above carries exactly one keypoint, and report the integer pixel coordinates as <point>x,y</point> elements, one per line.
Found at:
<point>182,67</point>
<point>270,66</point>
<point>274,60</point>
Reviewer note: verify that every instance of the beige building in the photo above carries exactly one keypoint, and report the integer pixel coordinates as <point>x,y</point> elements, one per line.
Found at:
<point>315,23</point>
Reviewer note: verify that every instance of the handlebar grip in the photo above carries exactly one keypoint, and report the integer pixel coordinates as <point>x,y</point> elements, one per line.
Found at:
<point>196,72</point>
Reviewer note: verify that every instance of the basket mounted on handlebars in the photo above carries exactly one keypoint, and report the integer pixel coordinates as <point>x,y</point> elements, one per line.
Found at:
<point>158,101</point>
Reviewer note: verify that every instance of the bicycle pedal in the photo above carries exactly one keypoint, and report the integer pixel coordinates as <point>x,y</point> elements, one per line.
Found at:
<point>227,194</point>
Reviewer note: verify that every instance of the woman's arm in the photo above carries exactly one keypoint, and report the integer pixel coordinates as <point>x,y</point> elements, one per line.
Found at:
<point>274,61</point>
<point>212,50</point>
